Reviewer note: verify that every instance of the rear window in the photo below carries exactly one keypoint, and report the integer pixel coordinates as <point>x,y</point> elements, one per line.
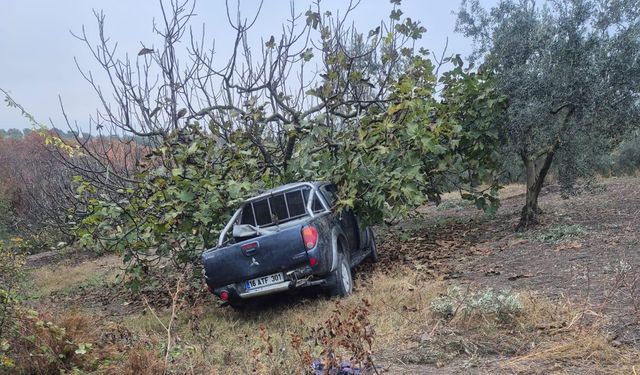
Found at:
<point>295,201</point>
<point>275,209</point>
<point>261,210</point>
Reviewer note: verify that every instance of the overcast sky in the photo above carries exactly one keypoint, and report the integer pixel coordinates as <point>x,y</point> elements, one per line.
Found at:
<point>37,50</point>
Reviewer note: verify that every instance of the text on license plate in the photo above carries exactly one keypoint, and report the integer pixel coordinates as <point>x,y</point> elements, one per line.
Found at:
<point>260,282</point>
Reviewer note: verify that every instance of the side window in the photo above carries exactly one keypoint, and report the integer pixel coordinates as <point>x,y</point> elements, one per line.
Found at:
<point>330,193</point>
<point>317,205</point>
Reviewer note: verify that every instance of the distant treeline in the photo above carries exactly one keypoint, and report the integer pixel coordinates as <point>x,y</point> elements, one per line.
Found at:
<point>71,134</point>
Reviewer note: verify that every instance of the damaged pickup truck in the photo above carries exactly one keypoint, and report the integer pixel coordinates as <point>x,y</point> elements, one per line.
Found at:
<point>284,239</point>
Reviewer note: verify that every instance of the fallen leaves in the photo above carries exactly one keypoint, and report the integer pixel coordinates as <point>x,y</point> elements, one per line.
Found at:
<point>572,245</point>
<point>520,276</point>
<point>492,272</point>
<point>518,241</point>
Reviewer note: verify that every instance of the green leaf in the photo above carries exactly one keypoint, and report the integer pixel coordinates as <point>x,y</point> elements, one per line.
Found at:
<point>271,43</point>
<point>395,14</point>
<point>185,196</point>
<point>307,54</point>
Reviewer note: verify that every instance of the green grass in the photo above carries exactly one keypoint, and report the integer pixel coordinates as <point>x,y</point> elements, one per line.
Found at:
<point>456,205</point>
<point>561,233</point>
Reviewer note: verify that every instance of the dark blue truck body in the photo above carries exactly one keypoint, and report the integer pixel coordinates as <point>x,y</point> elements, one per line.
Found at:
<point>284,239</point>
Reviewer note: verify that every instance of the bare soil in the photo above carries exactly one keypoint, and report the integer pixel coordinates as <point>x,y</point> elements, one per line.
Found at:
<point>598,268</point>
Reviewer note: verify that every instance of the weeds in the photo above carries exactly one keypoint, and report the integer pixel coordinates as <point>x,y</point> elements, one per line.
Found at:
<point>414,321</point>
<point>501,306</point>
<point>347,330</point>
<point>561,233</point>
<point>456,205</point>
<point>141,359</point>
<point>34,344</point>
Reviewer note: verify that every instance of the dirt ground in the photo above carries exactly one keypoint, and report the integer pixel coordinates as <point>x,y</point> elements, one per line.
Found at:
<point>585,252</point>
<point>596,267</point>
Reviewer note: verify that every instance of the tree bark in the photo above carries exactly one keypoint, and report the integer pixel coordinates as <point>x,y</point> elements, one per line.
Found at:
<point>535,177</point>
<point>535,181</point>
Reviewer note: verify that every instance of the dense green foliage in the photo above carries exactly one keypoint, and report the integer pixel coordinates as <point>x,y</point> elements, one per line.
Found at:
<point>417,149</point>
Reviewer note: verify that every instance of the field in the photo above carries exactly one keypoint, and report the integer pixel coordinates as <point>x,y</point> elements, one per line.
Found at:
<point>456,291</point>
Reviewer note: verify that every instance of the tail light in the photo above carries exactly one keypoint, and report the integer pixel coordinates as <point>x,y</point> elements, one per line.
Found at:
<point>309,237</point>
<point>224,295</point>
<point>249,246</point>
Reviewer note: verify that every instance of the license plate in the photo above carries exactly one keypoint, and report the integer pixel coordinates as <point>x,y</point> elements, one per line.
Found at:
<point>263,281</point>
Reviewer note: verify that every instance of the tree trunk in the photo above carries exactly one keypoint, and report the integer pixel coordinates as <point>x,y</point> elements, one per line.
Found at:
<point>535,178</point>
<point>535,181</point>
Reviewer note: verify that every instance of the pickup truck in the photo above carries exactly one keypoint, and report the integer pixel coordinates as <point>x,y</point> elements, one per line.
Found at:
<point>284,239</point>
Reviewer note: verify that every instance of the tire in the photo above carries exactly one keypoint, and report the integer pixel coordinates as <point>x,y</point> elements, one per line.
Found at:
<point>237,305</point>
<point>373,247</point>
<point>340,280</point>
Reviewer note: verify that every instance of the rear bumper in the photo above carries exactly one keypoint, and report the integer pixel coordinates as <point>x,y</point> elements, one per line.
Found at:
<point>298,278</point>
<point>275,288</point>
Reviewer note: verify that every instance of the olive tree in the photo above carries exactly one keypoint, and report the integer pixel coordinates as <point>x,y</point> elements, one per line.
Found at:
<point>570,70</point>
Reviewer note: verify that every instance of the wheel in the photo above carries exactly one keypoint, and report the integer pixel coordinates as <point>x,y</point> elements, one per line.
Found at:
<point>237,304</point>
<point>373,247</point>
<point>340,280</point>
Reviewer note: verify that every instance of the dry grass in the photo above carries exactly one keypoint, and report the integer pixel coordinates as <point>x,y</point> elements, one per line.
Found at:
<point>578,340</point>
<point>140,360</point>
<point>65,278</point>
<point>546,336</point>
<point>398,306</point>
<point>279,338</point>
<point>506,192</point>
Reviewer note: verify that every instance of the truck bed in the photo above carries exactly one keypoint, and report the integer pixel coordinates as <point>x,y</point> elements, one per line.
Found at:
<point>278,251</point>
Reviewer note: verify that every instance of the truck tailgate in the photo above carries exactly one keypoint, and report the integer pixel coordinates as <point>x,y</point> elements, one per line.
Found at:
<point>275,252</point>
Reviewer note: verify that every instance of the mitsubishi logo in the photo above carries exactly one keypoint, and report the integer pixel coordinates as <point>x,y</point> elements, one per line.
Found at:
<point>254,262</point>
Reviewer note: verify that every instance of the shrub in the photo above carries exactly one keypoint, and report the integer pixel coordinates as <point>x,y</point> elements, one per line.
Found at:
<point>141,360</point>
<point>344,340</point>
<point>31,343</point>
<point>454,204</point>
<point>628,156</point>
<point>11,265</point>
<point>5,218</point>
<point>502,306</point>
<point>36,345</point>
